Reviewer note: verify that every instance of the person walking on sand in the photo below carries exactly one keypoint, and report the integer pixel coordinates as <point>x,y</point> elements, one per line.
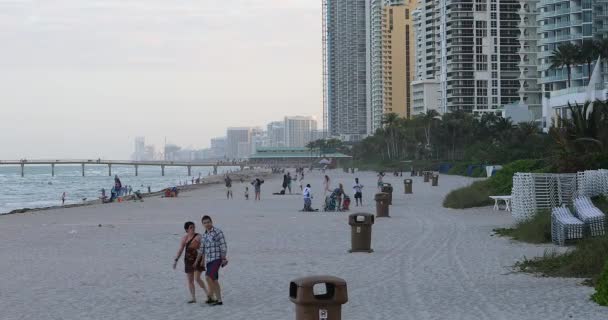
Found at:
<point>357,188</point>
<point>284,185</point>
<point>213,250</point>
<point>380,182</point>
<point>257,188</point>
<point>326,185</point>
<point>190,244</point>
<point>228,182</point>
<point>289,182</point>
<point>63,199</point>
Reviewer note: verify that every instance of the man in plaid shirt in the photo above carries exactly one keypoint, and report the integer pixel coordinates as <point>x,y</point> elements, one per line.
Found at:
<point>214,250</point>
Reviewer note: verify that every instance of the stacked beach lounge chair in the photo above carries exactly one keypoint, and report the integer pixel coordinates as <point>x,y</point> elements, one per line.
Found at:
<point>590,215</point>
<point>565,226</point>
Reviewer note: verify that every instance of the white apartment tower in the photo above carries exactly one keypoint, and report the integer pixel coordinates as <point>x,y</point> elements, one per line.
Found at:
<point>374,47</point>
<point>480,65</point>
<point>529,88</point>
<point>471,47</point>
<point>345,68</point>
<point>140,149</point>
<point>299,131</point>
<point>544,26</point>
<point>425,87</point>
<point>276,133</point>
<point>238,142</point>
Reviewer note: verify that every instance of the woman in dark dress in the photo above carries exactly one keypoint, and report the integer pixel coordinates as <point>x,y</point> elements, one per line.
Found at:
<point>190,243</point>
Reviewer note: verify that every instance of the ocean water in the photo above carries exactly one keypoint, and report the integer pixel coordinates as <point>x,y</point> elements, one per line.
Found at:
<point>39,189</point>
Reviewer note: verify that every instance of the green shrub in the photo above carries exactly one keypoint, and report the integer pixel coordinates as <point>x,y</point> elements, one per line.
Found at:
<point>601,289</point>
<point>459,168</point>
<point>479,172</point>
<point>534,230</point>
<point>502,181</point>
<point>586,260</point>
<point>601,202</point>
<point>499,184</point>
<point>475,195</point>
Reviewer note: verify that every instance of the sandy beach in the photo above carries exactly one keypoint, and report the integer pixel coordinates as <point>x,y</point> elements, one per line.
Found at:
<point>429,262</point>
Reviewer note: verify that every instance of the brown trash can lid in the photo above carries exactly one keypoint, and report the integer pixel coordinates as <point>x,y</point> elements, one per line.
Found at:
<point>381,196</point>
<point>368,218</point>
<point>310,281</point>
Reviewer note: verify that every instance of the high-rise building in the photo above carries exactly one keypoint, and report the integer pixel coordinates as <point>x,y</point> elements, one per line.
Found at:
<point>374,69</point>
<point>218,148</point>
<point>474,54</point>
<point>140,149</point>
<point>259,139</point>
<point>566,21</point>
<point>425,96</point>
<point>544,26</point>
<point>276,134</point>
<point>237,138</point>
<point>397,56</point>
<point>150,153</point>
<point>529,86</point>
<point>481,71</point>
<point>425,87</point>
<point>299,131</point>
<point>345,68</point>
<point>426,30</point>
<point>319,134</point>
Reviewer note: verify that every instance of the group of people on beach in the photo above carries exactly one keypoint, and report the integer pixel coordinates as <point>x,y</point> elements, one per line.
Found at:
<point>335,199</point>
<point>257,188</point>
<point>206,252</point>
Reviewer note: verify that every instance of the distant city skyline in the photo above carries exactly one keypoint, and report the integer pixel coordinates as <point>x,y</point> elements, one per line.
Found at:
<point>82,79</point>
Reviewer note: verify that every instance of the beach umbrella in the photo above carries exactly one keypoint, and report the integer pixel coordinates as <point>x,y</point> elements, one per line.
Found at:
<point>324,161</point>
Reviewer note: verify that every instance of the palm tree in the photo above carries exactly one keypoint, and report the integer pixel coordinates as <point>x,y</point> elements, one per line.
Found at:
<point>429,119</point>
<point>587,53</point>
<point>602,48</point>
<point>390,123</point>
<point>565,56</point>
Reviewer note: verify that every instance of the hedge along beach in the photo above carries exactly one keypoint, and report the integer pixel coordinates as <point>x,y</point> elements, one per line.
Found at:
<point>429,262</point>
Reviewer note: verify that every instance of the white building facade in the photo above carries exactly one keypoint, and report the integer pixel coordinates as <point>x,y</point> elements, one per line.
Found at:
<point>472,49</point>
<point>425,96</point>
<point>544,26</point>
<point>345,68</point>
<point>238,140</point>
<point>299,131</point>
<point>374,61</point>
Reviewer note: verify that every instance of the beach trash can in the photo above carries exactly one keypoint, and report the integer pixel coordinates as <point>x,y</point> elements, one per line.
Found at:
<point>361,232</point>
<point>407,186</point>
<point>427,176</point>
<point>382,205</point>
<point>388,188</point>
<point>318,297</point>
<point>435,181</point>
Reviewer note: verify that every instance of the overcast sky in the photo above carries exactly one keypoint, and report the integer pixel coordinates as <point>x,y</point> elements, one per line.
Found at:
<point>82,78</point>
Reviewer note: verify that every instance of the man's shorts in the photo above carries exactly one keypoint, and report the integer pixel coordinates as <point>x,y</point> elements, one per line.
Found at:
<point>358,195</point>
<point>213,269</point>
